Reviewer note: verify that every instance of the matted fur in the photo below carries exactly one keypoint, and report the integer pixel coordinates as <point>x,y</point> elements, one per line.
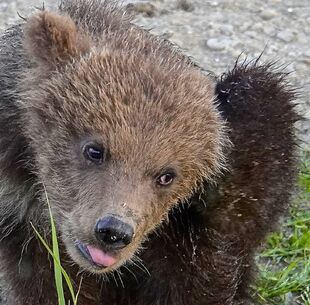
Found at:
<point>86,73</point>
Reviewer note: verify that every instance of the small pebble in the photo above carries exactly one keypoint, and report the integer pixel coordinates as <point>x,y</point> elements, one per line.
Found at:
<point>289,298</point>
<point>307,53</point>
<point>185,5</point>
<point>268,14</point>
<point>226,29</point>
<point>286,35</point>
<point>244,26</point>
<point>214,3</point>
<point>216,44</point>
<point>257,26</point>
<point>270,30</point>
<point>252,34</point>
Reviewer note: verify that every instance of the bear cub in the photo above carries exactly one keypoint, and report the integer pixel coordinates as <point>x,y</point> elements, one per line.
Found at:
<point>162,180</point>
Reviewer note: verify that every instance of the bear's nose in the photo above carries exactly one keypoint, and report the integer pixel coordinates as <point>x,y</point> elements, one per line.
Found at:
<point>113,233</point>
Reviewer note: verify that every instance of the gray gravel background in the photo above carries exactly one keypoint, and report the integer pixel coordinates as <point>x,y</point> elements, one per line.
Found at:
<point>216,32</point>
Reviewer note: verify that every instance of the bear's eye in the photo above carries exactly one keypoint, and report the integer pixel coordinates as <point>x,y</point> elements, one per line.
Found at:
<point>166,178</point>
<point>94,153</point>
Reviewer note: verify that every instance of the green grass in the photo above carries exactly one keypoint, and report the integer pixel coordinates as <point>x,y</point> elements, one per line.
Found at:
<point>59,271</point>
<point>285,263</point>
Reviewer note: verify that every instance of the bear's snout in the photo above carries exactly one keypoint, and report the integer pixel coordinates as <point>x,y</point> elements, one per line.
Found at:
<point>113,233</point>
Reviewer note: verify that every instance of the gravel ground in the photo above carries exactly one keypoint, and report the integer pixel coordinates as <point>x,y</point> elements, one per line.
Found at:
<point>216,32</point>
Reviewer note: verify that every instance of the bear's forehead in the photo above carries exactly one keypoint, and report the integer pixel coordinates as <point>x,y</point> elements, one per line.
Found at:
<point>124,78</point>
<point>142,99</point>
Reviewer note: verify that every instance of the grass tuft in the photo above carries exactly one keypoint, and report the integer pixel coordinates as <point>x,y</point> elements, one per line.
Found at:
<point>285,263</point>
<point>59,271</point>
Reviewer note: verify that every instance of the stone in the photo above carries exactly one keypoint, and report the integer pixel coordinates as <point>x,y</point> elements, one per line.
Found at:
<point>214,3</point>
<point>252,34</point>
<point>226,29</point>
<point>257,26</point>
<point>269,30</point>
<point>185,5</point>
<point>268,14</point>
<point>217,44</point>
<point>307,53</point>
<point>286,35</point>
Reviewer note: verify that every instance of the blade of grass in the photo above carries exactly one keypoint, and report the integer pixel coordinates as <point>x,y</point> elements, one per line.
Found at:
<point>59,271</point>
<point>55,247</point>
<point>56,252</point>
<point>57,262</point>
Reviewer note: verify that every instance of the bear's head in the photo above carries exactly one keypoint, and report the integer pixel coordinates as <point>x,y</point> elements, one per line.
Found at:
<point>122,129</point>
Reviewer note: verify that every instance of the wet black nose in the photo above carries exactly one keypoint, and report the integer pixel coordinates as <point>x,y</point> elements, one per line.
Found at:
<point>114,233</point>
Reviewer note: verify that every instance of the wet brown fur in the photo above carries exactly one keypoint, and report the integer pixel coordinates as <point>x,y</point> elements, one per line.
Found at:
<point>85,73</point>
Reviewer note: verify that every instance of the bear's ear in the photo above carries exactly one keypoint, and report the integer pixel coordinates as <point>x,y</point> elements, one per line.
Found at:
<point>52,39</point>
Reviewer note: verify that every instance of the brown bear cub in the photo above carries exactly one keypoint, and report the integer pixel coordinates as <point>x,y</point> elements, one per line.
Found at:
<point>162,181</point>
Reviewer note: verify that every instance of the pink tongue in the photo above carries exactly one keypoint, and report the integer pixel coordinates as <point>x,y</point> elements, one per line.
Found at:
<point>100,258</point>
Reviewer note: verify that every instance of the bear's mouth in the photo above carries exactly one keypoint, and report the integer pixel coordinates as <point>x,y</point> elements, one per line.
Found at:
<point>96,256</point>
